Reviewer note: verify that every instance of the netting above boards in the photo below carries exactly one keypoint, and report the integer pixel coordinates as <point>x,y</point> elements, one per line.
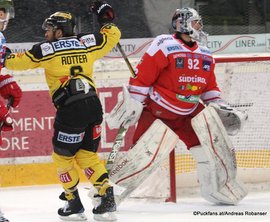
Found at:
<point>245,85</point>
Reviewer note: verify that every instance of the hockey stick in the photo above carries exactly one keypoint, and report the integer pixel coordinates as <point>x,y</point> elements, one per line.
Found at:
<point>124,126</point>
<point>126,59</point>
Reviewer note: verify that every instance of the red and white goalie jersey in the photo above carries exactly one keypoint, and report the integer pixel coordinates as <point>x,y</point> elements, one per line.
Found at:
<point>175,76</point>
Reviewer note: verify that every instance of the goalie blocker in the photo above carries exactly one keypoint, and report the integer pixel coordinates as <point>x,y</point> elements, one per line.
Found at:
<point>126,110</point>
<point>216,162</point>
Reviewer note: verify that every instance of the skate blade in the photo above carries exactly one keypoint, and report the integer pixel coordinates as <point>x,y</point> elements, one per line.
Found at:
<point>109,216</point>
<point>74,217</point>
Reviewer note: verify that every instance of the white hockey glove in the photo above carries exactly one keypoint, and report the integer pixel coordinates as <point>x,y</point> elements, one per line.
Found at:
<point>126,110</point>
<point>232,119</point>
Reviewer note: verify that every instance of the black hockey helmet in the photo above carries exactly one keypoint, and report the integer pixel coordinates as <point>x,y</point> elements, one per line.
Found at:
<point>61,20</point>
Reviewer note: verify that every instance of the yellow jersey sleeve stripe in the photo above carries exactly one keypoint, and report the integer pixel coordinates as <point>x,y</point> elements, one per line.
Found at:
<point>31,56</point>
<point>99,47</point>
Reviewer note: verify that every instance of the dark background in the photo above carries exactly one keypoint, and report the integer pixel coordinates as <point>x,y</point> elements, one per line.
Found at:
<point>220,17</point>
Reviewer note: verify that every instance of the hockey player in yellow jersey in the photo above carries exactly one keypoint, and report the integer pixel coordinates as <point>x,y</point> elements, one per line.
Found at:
<point>68,63</point>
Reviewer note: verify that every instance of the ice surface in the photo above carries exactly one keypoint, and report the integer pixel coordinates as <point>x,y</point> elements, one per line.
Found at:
<point>40,204</point>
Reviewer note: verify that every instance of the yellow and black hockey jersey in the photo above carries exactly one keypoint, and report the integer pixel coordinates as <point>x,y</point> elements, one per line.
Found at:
<point>67,56</point>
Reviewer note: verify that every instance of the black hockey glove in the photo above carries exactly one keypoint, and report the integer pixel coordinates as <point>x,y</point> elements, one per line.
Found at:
<point>7,53</point>
<point>105,13</point>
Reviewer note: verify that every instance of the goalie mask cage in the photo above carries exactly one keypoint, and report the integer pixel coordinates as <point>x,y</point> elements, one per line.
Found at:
<point>244,83</point>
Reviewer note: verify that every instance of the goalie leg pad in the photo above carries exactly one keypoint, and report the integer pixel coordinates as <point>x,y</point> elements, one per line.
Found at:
<point>213,180</point>
<point>216,160</point>
<point>140,161</point>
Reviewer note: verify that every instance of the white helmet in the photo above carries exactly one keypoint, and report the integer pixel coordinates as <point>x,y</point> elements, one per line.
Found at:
<point>182,22</point>
<point>6,13</point>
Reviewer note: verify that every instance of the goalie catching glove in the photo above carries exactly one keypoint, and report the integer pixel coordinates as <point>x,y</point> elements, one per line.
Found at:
<point>232,119</point>
<point>105,13</point>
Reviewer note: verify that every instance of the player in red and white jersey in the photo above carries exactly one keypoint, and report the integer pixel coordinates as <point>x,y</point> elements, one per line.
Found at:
<point>174,75</point>
<point>175,81</point>
<point>8,86</point>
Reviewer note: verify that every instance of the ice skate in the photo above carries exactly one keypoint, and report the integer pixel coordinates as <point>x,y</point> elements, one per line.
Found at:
<point>104,211</point>
<point>73,209</point>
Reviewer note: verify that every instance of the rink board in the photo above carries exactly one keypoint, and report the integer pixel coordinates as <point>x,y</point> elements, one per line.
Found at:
<point>25,154</point>
<point>44,172</point>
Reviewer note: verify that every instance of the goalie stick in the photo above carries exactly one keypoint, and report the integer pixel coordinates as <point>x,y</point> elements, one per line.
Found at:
<point>117,144</point>
<point>124,126</point>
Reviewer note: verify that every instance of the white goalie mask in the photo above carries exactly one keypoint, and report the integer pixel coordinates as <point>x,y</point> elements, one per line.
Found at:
<point>182,22</point>
<point>6,12</point>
